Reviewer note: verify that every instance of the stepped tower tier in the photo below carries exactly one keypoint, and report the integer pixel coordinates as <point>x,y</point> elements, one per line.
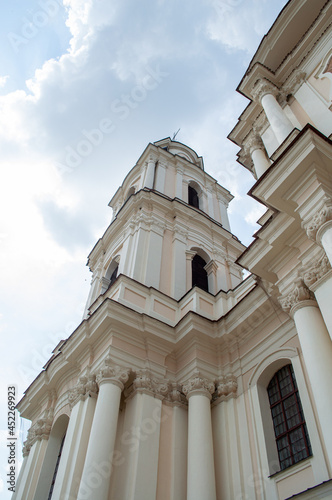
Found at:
<point>170,228</point>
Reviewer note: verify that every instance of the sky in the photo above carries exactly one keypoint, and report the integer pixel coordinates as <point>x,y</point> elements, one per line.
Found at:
<point>85,85</point>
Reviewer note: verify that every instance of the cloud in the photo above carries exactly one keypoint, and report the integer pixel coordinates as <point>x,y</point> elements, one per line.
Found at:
<point>3,80</point>
<point>239,24</point>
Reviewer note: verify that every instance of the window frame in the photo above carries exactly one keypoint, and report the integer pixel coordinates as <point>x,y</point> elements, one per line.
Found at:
<point>286,419</point>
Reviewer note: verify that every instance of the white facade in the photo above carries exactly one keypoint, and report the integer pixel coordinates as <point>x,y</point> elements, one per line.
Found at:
<point>165,390</point>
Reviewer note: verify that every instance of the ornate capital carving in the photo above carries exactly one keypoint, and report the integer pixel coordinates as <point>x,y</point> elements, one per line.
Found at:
<point>315,271</point>
<point>294,82</point>
<point>40,430</point>
<point>227,386</point>
<point>300,293</point>
<point>118,375</point>
<point>263,87</point>
<point>175,395</point>
<point>253,142</point>
<point>322,216</point>
<point>86,386</point>
<point>198,384</point>
<point>144,382</point>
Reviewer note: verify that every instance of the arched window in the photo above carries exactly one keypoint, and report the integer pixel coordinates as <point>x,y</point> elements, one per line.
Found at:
<point>114,275</point>
<point>193,199</point>
<point>290,429</point>
<point>199,274</point>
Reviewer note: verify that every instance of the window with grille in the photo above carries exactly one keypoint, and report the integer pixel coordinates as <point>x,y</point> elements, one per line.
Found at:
<point>199,274</point>
<point>290,429</point>
<point>193,199</point>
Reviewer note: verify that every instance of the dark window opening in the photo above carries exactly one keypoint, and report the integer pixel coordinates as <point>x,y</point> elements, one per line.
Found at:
<point>56,469</point>
<point>193,199</point>
<point>290,429</point>
<point>114,275</point>
<point>199,274</point>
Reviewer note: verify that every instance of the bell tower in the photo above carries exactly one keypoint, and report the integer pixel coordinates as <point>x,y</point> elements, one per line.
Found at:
<point>170,228</point>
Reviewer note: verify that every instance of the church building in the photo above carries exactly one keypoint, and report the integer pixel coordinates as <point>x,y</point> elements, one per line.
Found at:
<point>185,381</point>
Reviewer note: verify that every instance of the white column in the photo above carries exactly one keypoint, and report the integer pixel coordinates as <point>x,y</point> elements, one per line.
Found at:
<point>160,177</point>
<point>316,347</point>
<point>28,472</point>
<point>142,468</point>
<point>179,453</point>
<point>319,229</point>
<point>280,124</point>
<point>94,288</point>
<point>179,181</point>
<point>211,269</point>
<point>154,254</point>
<point>139,258</point>
<point>83,402</point>
<point>189,258</point>
<point>223,214</point>
<point>150,170</point>
<point>179,263</point>
<point>31,471</point>
<point>318,278</point>
<point>210,210</point>
<point>201,482</point>
<point>98,461</point>
<point>258,154</point>
<point>324,237</point>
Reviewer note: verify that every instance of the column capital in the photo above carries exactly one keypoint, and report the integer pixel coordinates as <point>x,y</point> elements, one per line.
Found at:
<point>263,87</point>
<point>227,386</point>
<point>115,374</point>
<point>198,385</point>
<point>294,82</point>
<point>152,158</point>
<point>190,254</point>
<point>300,296</point>
<point>253,142</point>
<point>39,430</point>
<point>86,386</point>
<point>322,216</point>
<point>314,272</point>
<point>144,382</point>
